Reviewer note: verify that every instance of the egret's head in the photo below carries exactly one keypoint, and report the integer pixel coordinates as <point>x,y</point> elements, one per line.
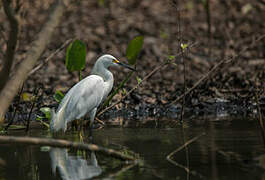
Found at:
<point>109,60</point>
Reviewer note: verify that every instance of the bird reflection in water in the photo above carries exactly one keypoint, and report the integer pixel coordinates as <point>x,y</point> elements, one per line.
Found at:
<point>73,167</point>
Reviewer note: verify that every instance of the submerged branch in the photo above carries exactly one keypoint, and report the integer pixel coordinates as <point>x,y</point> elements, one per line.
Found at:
<point>185,145</point>
<point>64,144</point>
<point>187,169</point>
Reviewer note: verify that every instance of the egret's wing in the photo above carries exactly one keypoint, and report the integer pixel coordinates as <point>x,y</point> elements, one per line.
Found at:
<point>83,97</point>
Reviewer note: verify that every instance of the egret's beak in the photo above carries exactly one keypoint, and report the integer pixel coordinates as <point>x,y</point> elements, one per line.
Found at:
<point>124,65</point>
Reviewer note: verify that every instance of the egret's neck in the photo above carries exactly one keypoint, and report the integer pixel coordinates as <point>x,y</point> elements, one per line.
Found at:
<point>108,79</point>
<point>100,70</point>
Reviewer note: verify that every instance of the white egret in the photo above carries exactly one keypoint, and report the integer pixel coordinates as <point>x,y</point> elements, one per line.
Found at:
<point>85,97</point>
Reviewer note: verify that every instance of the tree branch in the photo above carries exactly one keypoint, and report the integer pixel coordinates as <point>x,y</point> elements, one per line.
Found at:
<point>11,43</point>
<point>37,47</point>
<point>64,144</point>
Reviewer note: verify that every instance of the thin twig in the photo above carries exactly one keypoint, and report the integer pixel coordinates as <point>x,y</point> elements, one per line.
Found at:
<point>181,49</point>
<point>50,56</point>
<point>187,169</point>
<point>184,145</point>
<point>64,144</point>
<point>184,65</point>
<point>31,109</point>
<point>261,124</point>
<point>239,90</point>
<point>15,112</point>
<point>194,173</point>
<point>119,172</point>
<point>204,77</point>
<point>100,121</point>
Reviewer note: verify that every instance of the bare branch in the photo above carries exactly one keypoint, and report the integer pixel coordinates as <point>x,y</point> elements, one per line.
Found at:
<point>49,57</point>
<point>11,43</point>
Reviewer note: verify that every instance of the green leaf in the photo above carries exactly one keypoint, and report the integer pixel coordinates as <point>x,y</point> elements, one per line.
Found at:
<point>75,56</point>
<point>40,118</point>
<point>124,92</point>
<point>183,46</point>
<point>16,127</point>
<point>28,97</point>
<point>170,57</point>
<point>47,112</point>
<point>134,49</point>
<point>139,80</point>
<point>58,96</point>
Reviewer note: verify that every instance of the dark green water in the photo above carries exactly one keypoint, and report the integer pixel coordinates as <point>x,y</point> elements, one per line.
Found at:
<point>225,152</point>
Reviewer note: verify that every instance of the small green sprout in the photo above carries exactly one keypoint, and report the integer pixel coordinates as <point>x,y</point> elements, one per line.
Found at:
<point>170,57</point>
<point>47,115</point>
<point>124,92</point>
<point>183,46</point>
<point>139,80</point>
<point>58,96</point>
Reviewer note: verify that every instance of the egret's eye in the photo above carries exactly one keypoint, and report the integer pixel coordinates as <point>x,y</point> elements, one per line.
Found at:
<point>116,61</point>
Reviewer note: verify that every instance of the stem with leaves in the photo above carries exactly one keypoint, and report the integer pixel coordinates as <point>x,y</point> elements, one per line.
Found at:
<point>128,77</point>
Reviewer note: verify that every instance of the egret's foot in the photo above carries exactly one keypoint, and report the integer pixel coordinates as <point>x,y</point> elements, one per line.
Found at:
<point>81,135</point>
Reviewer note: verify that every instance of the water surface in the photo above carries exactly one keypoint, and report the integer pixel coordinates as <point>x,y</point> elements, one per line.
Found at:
<point>230,150</point>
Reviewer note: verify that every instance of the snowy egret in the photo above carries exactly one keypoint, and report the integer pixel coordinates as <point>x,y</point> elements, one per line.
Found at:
<point>85,97</point>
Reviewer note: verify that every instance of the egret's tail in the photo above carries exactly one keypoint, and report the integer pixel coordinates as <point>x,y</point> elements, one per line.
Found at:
<point>57,121</point>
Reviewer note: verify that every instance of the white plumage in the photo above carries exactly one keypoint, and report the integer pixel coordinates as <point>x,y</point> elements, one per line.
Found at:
<point>85,97</point>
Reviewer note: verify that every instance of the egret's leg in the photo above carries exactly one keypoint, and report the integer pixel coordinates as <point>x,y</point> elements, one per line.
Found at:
<point>81,132</point>
<point>91,116</point>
